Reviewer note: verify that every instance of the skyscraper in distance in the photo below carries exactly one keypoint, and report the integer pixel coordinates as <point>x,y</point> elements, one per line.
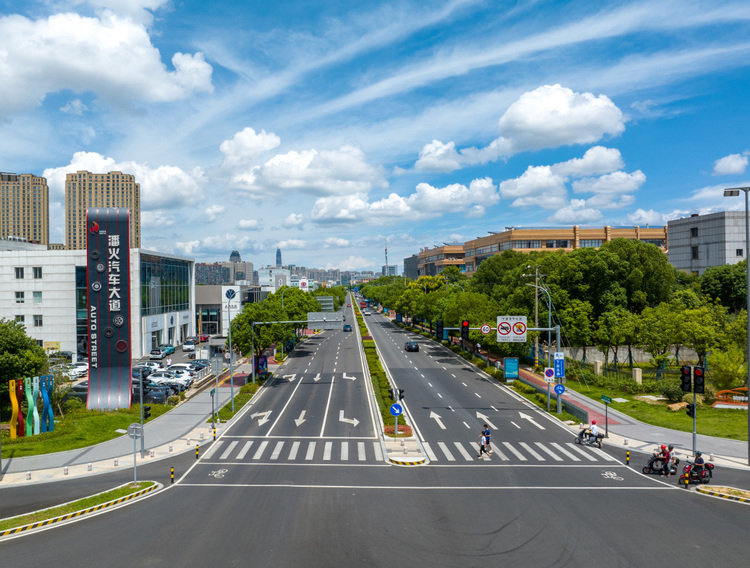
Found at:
<point>24,207</point>
<point>278,257</point>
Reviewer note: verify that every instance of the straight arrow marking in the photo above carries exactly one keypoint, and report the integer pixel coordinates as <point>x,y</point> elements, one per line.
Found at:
<point>436,417</point>
<point>530,419</point>
<point>301,418</point>
<point>486,420</point>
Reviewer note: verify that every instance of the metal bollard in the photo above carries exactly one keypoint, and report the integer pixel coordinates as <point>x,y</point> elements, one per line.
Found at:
<point>214,434</point>
<point>188,441</point>
<point>201,434</point>
<point>626,442</point>
<point>196,450</point>
<point>151,453</point>
<point>65,470</point>
<point>28,475</point>
<point>687,481</point>
<point>117,462</point>
<point>171,473</point>
<point>627,459</point>
<point>89,467</point>
<point>170,447</point>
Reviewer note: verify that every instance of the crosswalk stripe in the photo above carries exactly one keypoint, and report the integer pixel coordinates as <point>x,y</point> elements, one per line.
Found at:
<point>212,449</point>
<point>244,450</point>
<point>277,450</point>
<point>294,450</point>
<point>229,449</point>
<point>310,451</point>
<point>546,449</point>
<point>463,452</point>
<point>428,450</point>
<point>344,451</point>
<point>584,453</point>
<point>446,451</point>
<point>604,454</point>
<point>327,451</point>
<point>378,451</point>
<point>361,451</point>
<point>565,452</point>
<point>499,453</point>
<point>531,450</point>
<point>518,454</point>
<point>260,450</point>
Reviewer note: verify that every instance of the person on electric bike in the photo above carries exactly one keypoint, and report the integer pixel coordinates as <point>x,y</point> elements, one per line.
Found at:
<point>672,454</point>
<point>593,431</point>
<point>666,458</point>
<point>699,463</point>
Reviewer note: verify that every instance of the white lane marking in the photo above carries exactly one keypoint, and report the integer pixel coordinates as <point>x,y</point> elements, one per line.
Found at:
<point>565,452</point>
<point>515,452</point>
<point>446,451</point>
<point>465,424</point>
<point>344,451</point>
<point>293,452</point>
<point>260,450</point>
<point>451,409</point>
<point>493,408</point>
<point>605,455</point>
<point>213,449</point>
<point>516,425</point>
<point>229,449</point>
<point>429,452</point>
<point>416,368</point>
<point>328,404</point>
<point>531,450</point>
<point>580,451</point>
<point>244,450</point>
<point>477,395</point>
<point>421,375</point>
<point>440,395</point>
<point>327,449</point>
<point>429,384</point>
<point>551,453</point>
<point>463,452</point>
<point>310,451</point>
<point>378,451</point>
<point>454,376</point>
<point>361,454</point>
<point>464,384</point>
<point>444,369</point>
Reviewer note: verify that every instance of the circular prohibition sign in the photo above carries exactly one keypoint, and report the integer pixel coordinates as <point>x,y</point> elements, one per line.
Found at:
<point>503,328</point>
<point>519,328</point>
<point>486,329</point>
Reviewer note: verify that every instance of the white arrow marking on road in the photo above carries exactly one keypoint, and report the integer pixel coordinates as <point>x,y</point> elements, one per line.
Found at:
<point>436,416</point>
<point>317,378</point>
<point>350,378</point>
<point>301,418</point>
<point>486,420</point>
<point>352,421</point>
<point>530,419</point>
<point>264,416</point>
<point>291,377</point>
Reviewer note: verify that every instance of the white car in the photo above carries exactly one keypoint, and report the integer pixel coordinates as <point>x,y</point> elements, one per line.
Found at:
<point>189,345</point>
<point>169,379</point>
<point>81,369</point>
<point>183,374</point>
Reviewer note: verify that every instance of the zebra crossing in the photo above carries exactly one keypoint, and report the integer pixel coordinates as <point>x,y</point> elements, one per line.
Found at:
<point>301,451</point>
<point>521,452</point>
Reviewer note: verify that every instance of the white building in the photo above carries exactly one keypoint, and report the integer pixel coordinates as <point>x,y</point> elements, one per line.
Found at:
<point>701,241</point>
<point>46,290</point>
<point>270,279</point>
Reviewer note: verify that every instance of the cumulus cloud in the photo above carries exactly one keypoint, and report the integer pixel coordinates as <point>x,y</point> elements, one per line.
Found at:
<point>213,212</point>
<point>334,242</point>
<point>109,55</point>
<point>596,161</point>
<point>250,225</point>
<point>348,208</point>
<point>293,221</point>
<point>246,146</point>
<point>538,186</point>
<point>733,164</point>
<point>642,217</point>
<point>161,187</point>
<point>292,244</point>
<point>75,107</point>
<point>615,182</point>
<point>576,211</point>
<point>351,263</point>
<point>547,117</point>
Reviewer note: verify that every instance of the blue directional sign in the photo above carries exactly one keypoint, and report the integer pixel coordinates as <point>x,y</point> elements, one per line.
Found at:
<point>559,389</point>
<point>559,364</point>
<point>396,409</point>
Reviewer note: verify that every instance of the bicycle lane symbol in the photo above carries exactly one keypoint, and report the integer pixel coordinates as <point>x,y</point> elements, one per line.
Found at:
<point>612,475</point>
<point>218,474</point>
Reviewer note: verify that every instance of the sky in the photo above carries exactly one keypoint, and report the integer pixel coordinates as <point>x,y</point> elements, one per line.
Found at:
<point>333,130</point>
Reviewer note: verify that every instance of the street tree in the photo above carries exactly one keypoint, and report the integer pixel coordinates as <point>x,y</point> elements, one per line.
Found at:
<point>20,356</point>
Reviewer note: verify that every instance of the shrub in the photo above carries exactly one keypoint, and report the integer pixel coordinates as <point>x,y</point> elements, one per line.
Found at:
<point>73,405</point>
<point>670,388</point>
<point>482,364</point>
<point>173,400</point>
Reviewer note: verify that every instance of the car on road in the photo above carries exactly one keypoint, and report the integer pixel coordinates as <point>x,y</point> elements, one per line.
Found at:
<point>157,353</point>
<point>188,346</point>
<point>168,349</point>
<point>365,312</point>
<point>169,379</point>
<point>347,327</point>
<point>204,337</point>
<point>348,305</point>
<point>81,369</point>
<point>411,346</point>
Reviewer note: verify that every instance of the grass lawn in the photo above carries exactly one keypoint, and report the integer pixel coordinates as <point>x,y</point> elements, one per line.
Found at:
<point>78,429</point>
<point>724,423</point>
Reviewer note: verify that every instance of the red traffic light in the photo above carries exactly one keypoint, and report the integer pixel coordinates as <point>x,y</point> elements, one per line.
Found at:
<point>697,371</point>
<point>465,323</point>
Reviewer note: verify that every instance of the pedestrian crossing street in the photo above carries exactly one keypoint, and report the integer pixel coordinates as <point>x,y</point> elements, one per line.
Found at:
<point>304,451</point>
<point>518,452</point>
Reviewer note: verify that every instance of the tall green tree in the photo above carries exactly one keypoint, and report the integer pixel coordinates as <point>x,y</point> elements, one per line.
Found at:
<point>577,324</point>
<point>20,356</point>
<point>726,284</point>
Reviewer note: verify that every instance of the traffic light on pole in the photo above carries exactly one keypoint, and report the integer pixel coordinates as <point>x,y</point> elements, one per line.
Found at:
<point>699,384</point>
<point>691,410</point>
<point>401,394</point>
<point>439,329</point>
<point>146,412</point>
<point>686,376</point>
<point>391,394</point>
<point>465,329</point>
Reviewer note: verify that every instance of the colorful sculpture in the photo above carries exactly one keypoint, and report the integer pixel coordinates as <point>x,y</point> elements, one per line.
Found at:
<point>48,421</point>
<point>19,397</point>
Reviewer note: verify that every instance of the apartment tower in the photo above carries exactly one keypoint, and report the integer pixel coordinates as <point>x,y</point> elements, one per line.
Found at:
<point>84,190</point>
<point>24,207</point>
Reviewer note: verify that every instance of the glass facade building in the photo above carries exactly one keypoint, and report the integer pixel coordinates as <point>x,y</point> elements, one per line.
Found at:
<point>165,285</point>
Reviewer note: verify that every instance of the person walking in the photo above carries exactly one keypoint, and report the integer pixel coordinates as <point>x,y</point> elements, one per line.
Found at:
<point>486,433</point>
<point>482,445</point>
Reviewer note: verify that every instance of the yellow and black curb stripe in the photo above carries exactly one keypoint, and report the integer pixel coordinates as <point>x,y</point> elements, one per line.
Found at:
<point>398,461</point>
<point>707,491</point>
<point>69,516</point>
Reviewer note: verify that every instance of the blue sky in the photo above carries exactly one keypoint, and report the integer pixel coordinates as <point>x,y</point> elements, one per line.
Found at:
<point>329,129</point>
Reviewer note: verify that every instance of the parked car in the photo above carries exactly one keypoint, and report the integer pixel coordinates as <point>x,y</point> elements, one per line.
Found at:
<point>81,368</point>
<point>183,375</point>
<point>67,371</point>
<point>203,362</point>
<point>139,370</point>
<point>191,367</point>
<point>411,346</point>
<point>347,327</point>
<point>169,379</point>
<point>168,349</point>
<point>152,392</point>
<point>204,337</point>
<point>157,353</point>
<point>153,365</point>
<point>188,346</point>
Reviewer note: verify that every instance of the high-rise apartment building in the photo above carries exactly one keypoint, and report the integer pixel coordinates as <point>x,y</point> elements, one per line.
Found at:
<point>24,207</point>
<point>114,189</point>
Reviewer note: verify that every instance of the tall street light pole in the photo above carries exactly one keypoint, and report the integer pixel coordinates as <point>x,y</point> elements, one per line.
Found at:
<point>735,192</point>
<point>282,310</point>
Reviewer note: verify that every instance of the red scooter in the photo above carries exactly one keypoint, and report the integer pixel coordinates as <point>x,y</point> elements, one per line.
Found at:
<point>697,476</point>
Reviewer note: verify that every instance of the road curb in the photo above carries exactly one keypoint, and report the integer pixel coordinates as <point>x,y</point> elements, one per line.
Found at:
<point>407,461</point>
<point>712,493</point>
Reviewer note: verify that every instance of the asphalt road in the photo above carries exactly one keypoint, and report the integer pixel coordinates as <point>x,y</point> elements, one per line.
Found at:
<point>337,508</point>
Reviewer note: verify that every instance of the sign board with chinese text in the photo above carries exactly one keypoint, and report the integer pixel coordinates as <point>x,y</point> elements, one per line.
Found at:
<point>511,329</point>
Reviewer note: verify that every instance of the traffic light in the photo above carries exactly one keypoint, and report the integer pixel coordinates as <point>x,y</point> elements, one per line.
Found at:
<point>691,410</point>
<point>391,393</point>
<point>401,394</point>
<point>146,412</point>
<point>439,329</point>
<point>699,384</point>
<point>686,373</point>
<point>465,329</point>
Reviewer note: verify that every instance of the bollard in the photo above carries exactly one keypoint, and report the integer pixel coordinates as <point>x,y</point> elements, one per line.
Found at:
<point>65,470</point>
<point>214,434</point>
<point>171,474</point>
<point>710,457</point>
<point>188,441</point>
<point>201,434</point>
<point>28,475</point>
<point>151,453</point>
<point>196,450</point>
<point>117,462</point>
<point>89,467</point>
<point>627,459</point>
<point>170,447</point>
<point>687,481</point>
<point>626,442</point>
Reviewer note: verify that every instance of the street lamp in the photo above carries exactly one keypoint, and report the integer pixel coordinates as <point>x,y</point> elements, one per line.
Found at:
<point>735,192</point>
<point>282,309</point>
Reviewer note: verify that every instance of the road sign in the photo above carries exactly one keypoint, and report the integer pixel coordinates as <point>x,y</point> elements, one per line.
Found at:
<point>559,389</point>
<point>511,367</point>
<point>549,375</point>
<point>396,409</point>
<point>559,364</point>
<point>486,329</point>
<point>135,430</point>
<point>607,399</point>
<point>511,329</point>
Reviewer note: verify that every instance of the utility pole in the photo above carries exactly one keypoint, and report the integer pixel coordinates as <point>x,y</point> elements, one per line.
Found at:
<point>536,276</point>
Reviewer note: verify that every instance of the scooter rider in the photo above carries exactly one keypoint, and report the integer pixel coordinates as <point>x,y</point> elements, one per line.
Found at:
<point>699,463</point>
<point>593,430</point>
<point>666,458</point>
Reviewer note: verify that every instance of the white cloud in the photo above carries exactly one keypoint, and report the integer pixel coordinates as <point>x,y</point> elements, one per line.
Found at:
<point>293,244</point>
<point>616,182</point>
<point>439,157</point>
<point>575,212</point>
<point>335,242</point>
<point>538,186</point>
<point>139,10</point>
<point>213,212</point>
<point>351,263</point>
<point>293,221</point>
<point>339,209</point>
<point>111,56</point>
<point>246,146</point>
<point>161,187</point>
<point>733,164</point>
<point>641,217</point>
<point>187,248</point>
<point>596,161</point>
<point>75,107</point>
<point>250,224</point>
<point>157,219</point>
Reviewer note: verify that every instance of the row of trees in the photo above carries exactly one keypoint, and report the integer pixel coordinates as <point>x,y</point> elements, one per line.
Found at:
<point>623,294</point>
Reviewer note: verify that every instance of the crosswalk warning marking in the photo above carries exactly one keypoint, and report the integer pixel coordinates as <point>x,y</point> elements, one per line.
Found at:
<point>361,451</point>
<point>446,451</point>
<point>327,451</point>
<point>584,453</point>
<point>518,454</point>
<point>565,452</point>
<point>344,451</point>
<point>229,449</point>
<point>546,449</point>
<point>213,449</point>
<point>310,451</point>
<point>277,450</point>
<point>244,450</point>
<point>261,449</point>
<point>463,452</point>
<point>532,451</point>
<point>293,452</point>
<point>428,450</point>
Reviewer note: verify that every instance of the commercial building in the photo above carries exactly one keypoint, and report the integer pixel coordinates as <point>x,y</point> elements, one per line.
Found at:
<point>699,242</point>
<point>432,261</point>
<point>213,311</point>
<point>114,189</point>
<point>390,270</point>
<point>411,267</point>
<point>24,208</point>
<point>271,279</point>
<point>46,290</point>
